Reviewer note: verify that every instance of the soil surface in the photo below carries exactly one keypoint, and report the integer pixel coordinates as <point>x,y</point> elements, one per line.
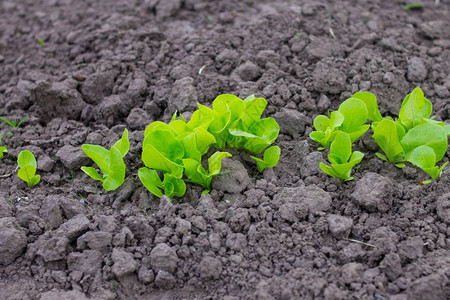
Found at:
<point>85,70</point>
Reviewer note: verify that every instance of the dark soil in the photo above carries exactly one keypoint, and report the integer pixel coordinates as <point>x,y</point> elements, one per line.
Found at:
<point>289,233</point>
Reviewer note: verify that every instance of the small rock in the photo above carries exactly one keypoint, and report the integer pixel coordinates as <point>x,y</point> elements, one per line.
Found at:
<point>312,198</point>
<point>239,220</point>
<point>13,240</point>
<point>146,275</point>
<point>265,56</point>
<point>138,119</point>
<point>70,207</point>
<point>124,262</point>
<point>88,262</point>
<point>98,240</point>
<point>339,226</point>
<point>52,248</point>
<point>72,157</point>
<point>248,71</point>
<point>184,95</point>
<point>5,207</point>
<point>428,287</point>
<point>165,280</point>
<point>328,79</point>
<point>97,86</point>
<point>163,257</point>
<point>236,241</point>
<point>411,249</point>
<point>75,227</point>
<point>293,212</point>
<point>352,272</point>
<point>291,121</point>
<point>227,55</point>
<point>210,268</point>
<point>442,208</point>
<point>391,266</point>
<point>51,212</point>
<point>310,164</point>
<point>233,182</point>
<point>45,163</point>
<point>417,71</point>
<point>374,192</point>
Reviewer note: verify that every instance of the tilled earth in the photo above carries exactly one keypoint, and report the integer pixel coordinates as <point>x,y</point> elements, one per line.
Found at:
<point>289,233</point>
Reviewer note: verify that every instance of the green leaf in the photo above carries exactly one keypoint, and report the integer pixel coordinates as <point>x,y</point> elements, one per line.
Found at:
<point>425,158</point>
<point>428,134</point>
<point>165,142</point>
<point>341,148</point>
<point>447,129</point>
<point>92,173</point>
<point>194,170</point>
<point>270,160</point>
<point>328,170</point>
<point>27,174</point>
<point>372,105</point>
<point>260,135</point>
<point>150,179</point>
<point>201,118</point>
<point>355,115</point>
<point>204,140</point>
<point>414,108</point>
<point>116,177</point>
<point>26,158</point>
<point>173,186</point>
<point>123,145</point>
<point>321,123</point>
<point>326,128</point>
<point>254,109</point>
<point>99,155</point>
<point>154,159</point>
<point>215,162</point>
<point>158,125</point>
<point>3,150</point>
<point>387,138</point>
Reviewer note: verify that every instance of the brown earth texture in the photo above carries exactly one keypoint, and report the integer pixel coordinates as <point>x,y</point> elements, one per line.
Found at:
<point>85,70</point>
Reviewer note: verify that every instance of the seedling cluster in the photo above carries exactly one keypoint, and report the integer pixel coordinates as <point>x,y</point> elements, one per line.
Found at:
<point>413,137</point>
<point>2,149</point>
<point>173,153</point>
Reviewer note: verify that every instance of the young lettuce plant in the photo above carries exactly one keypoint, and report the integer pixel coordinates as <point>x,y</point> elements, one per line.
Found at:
<point>350,118</point>
<point>237,123</point>
<point>270,158</point>
<point>341,157</point>
<point>110,162</point>
<point>175,150</point>
<point>414,137</point>
<point>27,168</point>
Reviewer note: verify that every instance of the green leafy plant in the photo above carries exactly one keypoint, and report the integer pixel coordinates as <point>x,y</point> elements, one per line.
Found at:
<point>14,123</point>
<point>341,157</point>
<point>2,149</point>
<point>176,150</point>
<point>110,162</point>
<point>27,168</point>
<point>351,118</point>
<point>270,158</point>
<point>414,137</point>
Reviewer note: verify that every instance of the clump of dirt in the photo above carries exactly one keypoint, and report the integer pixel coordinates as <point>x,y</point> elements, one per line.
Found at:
<point>289,233</point>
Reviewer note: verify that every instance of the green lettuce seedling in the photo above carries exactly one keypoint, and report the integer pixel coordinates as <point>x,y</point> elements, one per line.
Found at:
<point>27,168</point>
<point>414,137</point>
<point>110,162</point>
<point>2,149</point>
<point>14,123</point>
<point>270,158</point>
<point>176,150</point>
<point>341,158</point>
<point>350,118</point>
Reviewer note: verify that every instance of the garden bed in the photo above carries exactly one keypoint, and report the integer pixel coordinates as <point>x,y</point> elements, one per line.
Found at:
<point>84,71</point>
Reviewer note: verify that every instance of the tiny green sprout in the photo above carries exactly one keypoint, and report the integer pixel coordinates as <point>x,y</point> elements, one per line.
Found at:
<point>341,158</point>
<point>412,6</point>
<point>14,123</point>
<point>40,41</point>
<point>27,168</point>
<point>270,160</point>
<point>211,21</point>
<point>110,162</point>
<point>2,149</point>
